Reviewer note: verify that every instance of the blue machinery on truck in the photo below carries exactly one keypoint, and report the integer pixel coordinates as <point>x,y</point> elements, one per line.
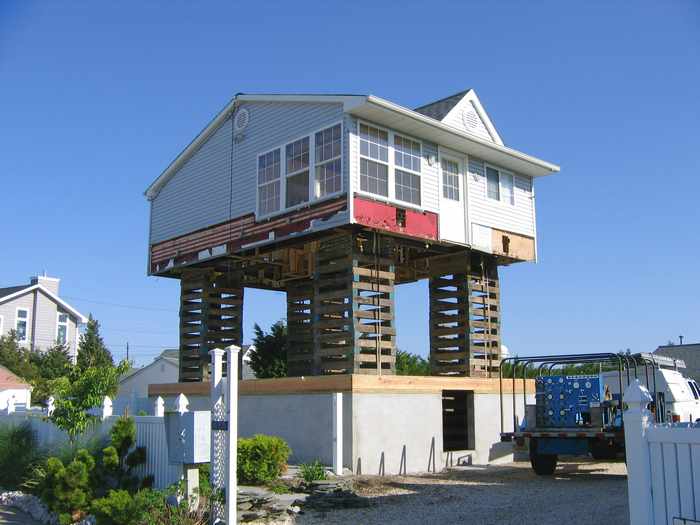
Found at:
<point>575,414</point>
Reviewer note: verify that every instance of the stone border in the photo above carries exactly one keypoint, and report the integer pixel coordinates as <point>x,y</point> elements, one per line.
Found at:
<point>30,504</point>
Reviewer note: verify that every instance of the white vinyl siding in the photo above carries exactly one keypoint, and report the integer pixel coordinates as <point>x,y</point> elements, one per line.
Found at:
<point>518,217</point>
<point>206,190</point>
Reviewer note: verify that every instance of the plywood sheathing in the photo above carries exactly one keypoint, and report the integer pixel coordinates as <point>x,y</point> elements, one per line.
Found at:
<point>354,383</point>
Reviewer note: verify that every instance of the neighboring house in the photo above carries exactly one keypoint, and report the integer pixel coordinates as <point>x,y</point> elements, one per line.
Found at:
<point>163,369</point>
<point>39,316</point>
<point>11,387</point>
<point>689,353</point>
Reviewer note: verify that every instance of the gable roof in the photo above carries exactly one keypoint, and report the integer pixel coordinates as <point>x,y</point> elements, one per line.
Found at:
<point>370,106</point>
<point>8,380</point>
<point>169,355</point>
<point>16,291</point>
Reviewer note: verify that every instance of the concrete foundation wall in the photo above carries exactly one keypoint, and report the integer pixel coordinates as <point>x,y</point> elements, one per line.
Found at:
<point>396,433</point>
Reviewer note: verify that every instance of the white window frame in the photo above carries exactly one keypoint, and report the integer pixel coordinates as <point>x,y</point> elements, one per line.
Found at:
<point>313,196</point>
<point>289,174</point>
<point>26,320</point>
<point>391,198</point>
<point>411,171</point>
<point>258,185</point>
<point>500,172</point>
<point>316,186</point>
<point>60,323</point>
<point>461,190</point>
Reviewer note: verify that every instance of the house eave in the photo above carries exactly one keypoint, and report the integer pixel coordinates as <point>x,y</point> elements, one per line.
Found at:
<point>80,317</point>
<point>387,113</point>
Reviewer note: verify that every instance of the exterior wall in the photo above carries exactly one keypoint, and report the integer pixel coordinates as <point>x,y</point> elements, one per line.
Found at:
<point>518,218</point>
<point>42,330</point>
<point>200,194</point>
<point>430,184</point>
<point>23,396</point>
<point>464,116</point>
<point>159,371</point>
<point>396,433</point>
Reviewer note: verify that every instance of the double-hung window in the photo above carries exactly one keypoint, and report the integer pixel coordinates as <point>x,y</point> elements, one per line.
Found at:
<point>407,170</point>
<point>327,145</point>
<point>21,324</point>
<point>61,329</point>
<point>374,160</point>
<point>269,182</point>
<point>499,185</point>
<point>297,164</point>
<point>450,179</point>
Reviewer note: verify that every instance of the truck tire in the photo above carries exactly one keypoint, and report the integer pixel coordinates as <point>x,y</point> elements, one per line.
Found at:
<point>542,464</point>
<point>601,451</point>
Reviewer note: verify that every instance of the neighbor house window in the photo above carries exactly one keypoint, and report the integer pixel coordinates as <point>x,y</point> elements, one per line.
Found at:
<point>269,182</point>
<point>499,185</point>
<point>450,179</point>
<point>374,160</point>
<point>61,329</point>
<point>328,150</point>
<point>21,324</point>
<point>407,179</point>
<point>297,170</point>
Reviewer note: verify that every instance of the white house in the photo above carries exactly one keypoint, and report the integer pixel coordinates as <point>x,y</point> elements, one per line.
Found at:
<point>13,388</point>
<point>39,317</point>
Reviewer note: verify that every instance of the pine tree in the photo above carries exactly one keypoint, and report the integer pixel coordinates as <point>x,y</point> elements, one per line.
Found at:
<point>92,351</point>
<point>269,359</point>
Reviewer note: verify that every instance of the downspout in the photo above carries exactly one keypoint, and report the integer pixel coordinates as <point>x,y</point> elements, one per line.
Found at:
<point>35,303</point>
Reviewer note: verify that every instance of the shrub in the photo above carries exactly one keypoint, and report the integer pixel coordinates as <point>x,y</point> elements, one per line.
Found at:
<point>66,488</point>
<point>312,471</point>
<point>261,459</point>
<point>19,454</point>
<point>118,508</point>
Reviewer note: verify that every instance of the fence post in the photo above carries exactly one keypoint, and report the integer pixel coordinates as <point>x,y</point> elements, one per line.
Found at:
<point>232,442</point>
<point>159,407</point>
<point>636,422</point>
<point>50,406</point>
<point>11,405</point>
<point>337,433</point>
<point>106,407</point>
<point>181,404</point>
<point>217,434</point>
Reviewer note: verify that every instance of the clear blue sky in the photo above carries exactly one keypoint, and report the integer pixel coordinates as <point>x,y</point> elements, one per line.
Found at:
<point>97,98</point>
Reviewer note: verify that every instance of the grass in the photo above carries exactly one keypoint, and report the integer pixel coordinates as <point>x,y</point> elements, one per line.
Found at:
<point>314,471</point>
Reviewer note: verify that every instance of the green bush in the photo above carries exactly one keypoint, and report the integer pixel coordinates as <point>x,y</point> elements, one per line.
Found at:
<point>19,454</point>
<point>66,488</point>
<point>261,459</point>
<point>312,471</point>
<point>118,508</point>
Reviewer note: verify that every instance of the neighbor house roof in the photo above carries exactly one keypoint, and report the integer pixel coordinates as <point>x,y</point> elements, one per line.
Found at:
<point>169,355</point>
<point>689,353</point>
<point>422,122</point>
<point>8,380</point>
<point>9,293</point>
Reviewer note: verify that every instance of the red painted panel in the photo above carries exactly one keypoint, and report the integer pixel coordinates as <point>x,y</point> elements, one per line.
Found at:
<point>380,215</point>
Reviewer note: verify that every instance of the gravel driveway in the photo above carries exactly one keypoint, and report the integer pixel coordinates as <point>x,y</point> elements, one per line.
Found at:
<point>580,492</point>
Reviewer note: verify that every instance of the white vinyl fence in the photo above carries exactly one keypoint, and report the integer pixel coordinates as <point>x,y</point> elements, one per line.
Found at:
<point>663,465</point>
<point>150,433</point>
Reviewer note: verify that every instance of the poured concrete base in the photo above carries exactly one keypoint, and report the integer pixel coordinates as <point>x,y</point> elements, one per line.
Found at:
<point>391,424</point>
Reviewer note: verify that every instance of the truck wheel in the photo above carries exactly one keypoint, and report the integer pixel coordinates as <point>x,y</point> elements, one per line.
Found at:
<point>542,464</point>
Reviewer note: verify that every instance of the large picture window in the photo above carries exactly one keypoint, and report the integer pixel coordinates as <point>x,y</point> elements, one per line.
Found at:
<point>297,162</point>
<point>327,144</point>
<point>374,161</point>
<point>21,323</point>
<point>269,182</point>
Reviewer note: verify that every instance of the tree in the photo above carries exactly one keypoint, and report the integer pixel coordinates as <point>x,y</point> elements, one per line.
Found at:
<point>408,364</point>
<point>80,391</point>
<point>92,351</point>
<point>16,358</point>
<point>269,359</point>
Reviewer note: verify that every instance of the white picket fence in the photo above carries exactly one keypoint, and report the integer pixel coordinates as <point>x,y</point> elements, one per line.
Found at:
<point>150,433</point>
<point>663,465</point>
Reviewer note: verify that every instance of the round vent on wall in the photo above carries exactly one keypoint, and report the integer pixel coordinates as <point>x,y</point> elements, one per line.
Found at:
<point>240,122</point>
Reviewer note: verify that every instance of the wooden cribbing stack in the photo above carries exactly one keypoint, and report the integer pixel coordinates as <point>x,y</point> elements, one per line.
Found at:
<point>464,315</point>
<point>211,315</point>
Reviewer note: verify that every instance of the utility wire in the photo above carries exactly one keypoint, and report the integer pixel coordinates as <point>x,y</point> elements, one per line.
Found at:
<point>130,306</point>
